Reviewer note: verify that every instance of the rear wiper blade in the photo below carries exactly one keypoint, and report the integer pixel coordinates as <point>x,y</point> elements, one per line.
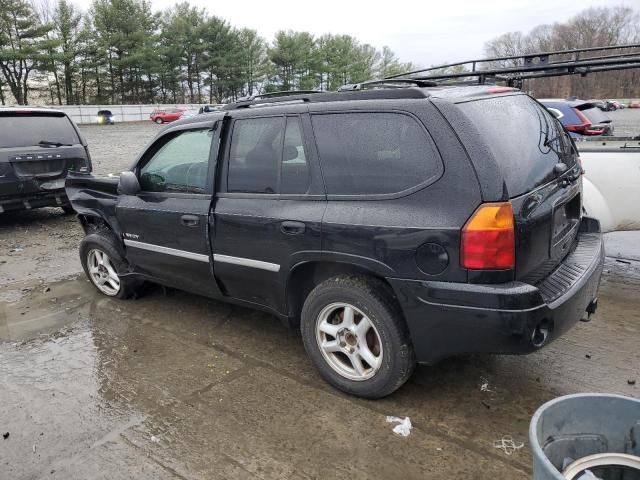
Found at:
<point>48,143</point>
<point>548,141</point>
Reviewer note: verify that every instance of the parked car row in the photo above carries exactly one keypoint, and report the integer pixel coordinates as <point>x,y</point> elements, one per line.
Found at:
<point>172,114</point>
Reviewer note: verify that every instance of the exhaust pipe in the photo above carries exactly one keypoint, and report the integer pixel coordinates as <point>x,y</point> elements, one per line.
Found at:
<point>540,334</point>
<point>591,309</point>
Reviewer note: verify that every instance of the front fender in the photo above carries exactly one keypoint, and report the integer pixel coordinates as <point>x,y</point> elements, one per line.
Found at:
<point>94,197</point>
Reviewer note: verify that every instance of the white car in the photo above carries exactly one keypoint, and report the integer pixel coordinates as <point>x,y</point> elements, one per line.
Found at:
<point>611,185</point>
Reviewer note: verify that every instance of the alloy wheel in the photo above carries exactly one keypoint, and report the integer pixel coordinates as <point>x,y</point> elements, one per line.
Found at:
<point>102,272</point>
<point>348,341</point>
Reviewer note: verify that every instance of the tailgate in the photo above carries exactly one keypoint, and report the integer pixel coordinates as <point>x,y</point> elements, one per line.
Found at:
<point>537,162</point>
<point>37,148</point>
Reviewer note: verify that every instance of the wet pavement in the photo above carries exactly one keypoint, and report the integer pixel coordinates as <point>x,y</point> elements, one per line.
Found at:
<point>176,386</point>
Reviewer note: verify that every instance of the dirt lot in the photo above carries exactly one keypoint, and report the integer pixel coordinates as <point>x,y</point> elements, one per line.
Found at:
<point>174,386</point>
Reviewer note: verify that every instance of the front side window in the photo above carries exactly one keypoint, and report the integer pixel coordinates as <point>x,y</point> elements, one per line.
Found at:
<point>180,164</point>
<point>368,153</point>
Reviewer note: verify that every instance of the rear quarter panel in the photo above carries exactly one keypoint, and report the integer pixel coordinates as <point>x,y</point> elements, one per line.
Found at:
<point>389,231</point>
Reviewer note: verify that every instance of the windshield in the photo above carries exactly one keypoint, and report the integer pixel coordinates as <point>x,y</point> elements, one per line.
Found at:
<point>29,130</point>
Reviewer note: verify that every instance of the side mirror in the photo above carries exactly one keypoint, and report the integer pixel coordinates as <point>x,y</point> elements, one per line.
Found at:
<point>128,184</point>
<point>290,152</point>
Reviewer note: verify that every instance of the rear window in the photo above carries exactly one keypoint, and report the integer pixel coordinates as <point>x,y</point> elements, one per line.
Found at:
<point>595,115</point>
<point>568,117</point>
<point>104,112</point>
<point>525,139</point>
<point>368,153</point>
<point>29,130</point>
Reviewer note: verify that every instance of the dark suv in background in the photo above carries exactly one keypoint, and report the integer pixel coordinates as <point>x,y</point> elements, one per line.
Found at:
<point>391,225</point>
<point>38,146</point>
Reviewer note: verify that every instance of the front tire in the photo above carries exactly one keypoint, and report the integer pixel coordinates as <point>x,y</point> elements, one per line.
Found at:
<point>355,335</point>
<point>104,262</point>
<point>158,121</point>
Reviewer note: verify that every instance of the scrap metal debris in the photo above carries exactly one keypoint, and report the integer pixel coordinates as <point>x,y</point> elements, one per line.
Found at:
<point>508,445</point>
<point>404,425</point>
<point>5,435</point>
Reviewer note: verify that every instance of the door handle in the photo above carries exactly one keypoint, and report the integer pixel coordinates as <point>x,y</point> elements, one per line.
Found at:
<point>190,220</point>
<point>292,228</point>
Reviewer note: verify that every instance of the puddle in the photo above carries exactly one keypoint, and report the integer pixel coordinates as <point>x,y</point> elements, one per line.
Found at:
<point>44,309</point>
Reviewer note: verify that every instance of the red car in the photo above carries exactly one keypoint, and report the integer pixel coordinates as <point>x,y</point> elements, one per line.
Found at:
<point>166,115</point>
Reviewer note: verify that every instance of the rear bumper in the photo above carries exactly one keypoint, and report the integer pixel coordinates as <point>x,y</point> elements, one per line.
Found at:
<point>448,319</point>
<point>54,198</point>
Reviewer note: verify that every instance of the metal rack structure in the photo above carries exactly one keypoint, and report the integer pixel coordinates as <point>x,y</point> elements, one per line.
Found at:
<point>531,65</point>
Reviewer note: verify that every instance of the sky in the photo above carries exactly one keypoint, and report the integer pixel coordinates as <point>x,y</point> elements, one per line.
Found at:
<point>423,32</point>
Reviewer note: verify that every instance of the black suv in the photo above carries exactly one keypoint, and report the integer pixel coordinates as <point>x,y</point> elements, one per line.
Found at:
<point>391,225</point>
<point>37,148</point>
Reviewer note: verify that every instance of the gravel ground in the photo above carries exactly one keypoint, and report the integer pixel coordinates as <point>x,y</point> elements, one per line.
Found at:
<point>626,122</point>
<point>115,147</point>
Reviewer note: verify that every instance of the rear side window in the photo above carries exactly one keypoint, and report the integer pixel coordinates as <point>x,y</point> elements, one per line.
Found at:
<point>368,153</point>
<point>256,150</point>
<point>267,155</point>
<point>525,139</point>
<point>31,130</point>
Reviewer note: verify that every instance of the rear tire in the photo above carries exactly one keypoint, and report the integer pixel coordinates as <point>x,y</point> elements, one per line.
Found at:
<point>68,210</point>
<point>158,121</point>
<point>103,262</point>
<point>355,335</point>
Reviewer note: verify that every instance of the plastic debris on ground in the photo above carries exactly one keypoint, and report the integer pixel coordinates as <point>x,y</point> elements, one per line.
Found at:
<point>484,387</point>
<point>508,445</point>
<point>404,425</point>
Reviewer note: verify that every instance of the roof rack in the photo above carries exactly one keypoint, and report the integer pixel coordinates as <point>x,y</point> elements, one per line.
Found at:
<point>281,93</point>
<point>532,65</point>
<point>271,97</point>
<point>319,97</point>
<point>394,82</point>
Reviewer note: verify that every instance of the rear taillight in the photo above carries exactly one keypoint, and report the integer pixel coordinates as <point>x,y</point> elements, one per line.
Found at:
<point>582,127</point>
<point>488,238</point>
